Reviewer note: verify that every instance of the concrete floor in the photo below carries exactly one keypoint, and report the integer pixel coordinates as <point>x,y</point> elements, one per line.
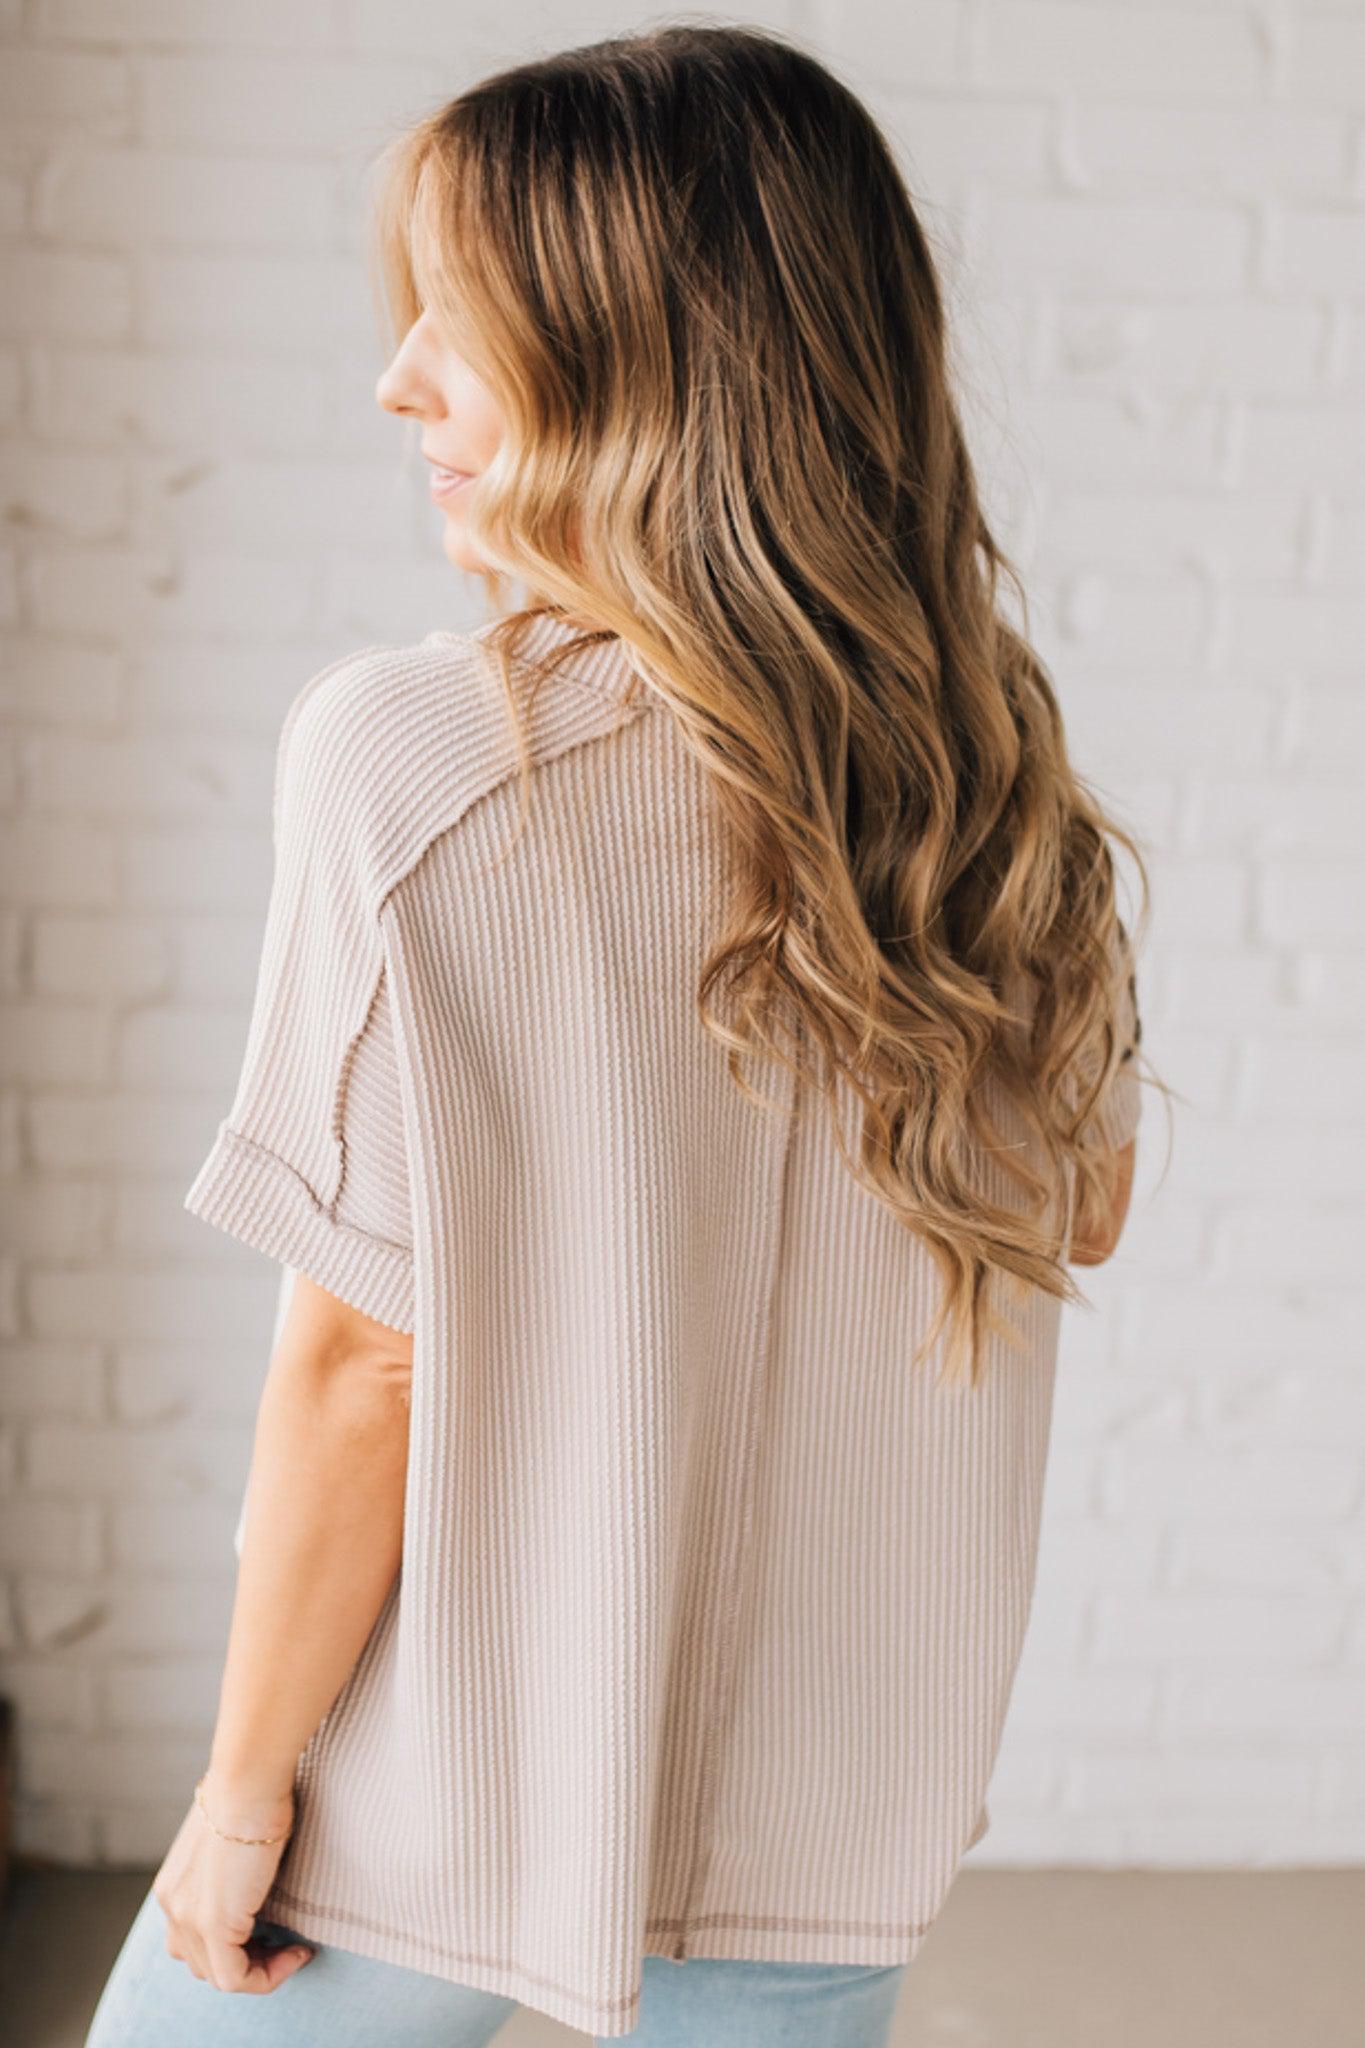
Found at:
<point>1018,1959</point>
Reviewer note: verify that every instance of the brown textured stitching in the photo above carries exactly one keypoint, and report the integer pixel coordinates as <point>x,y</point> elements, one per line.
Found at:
<point>722,1707</point>
<point>482,1962</point>
<point>879,1930</point>
<point>343,1082</point>
<point>776,1923</point>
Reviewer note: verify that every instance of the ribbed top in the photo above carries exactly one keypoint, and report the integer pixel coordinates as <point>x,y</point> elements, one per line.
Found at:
<point>709,1605</point>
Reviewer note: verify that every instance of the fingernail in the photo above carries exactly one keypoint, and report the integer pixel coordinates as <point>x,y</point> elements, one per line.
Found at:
<point>305,1955</point>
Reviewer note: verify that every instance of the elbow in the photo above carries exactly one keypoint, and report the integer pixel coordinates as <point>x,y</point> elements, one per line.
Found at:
<point>345,1349</point>
<point>386,1377</point>
<point>1093,1251</point>
<point>1092,1246</point>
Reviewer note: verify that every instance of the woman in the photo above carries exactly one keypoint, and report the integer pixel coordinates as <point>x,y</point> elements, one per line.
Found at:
<point>694,1038</point>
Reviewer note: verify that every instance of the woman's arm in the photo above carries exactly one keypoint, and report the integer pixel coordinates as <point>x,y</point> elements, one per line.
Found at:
<point>1094,1249</point>
<point>321,1545</point>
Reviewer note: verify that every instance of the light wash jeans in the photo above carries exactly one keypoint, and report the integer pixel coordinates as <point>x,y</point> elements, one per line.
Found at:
<point>341,2000</point>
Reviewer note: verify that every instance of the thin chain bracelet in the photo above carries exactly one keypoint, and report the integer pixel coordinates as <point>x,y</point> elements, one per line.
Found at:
<point>250,1841</point>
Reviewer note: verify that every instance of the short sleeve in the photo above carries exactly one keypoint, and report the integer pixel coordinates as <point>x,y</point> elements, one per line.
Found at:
<point>1117,1114</point>
<point>310,1163</point>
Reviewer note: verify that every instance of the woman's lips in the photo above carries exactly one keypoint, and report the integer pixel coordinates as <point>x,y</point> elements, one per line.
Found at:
<point>445,482</point>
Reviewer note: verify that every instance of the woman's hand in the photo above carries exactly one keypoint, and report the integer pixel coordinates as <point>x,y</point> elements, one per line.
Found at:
<point>321,1549</point>
<point>211,1890</point>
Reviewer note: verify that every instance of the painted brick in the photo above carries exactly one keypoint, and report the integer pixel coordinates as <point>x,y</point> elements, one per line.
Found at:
<point>1149,222</point>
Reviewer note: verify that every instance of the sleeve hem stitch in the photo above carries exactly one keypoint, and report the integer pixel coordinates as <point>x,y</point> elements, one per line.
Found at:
<point>256,1196</point>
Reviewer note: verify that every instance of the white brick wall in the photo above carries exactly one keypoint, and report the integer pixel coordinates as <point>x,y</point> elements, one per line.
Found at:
<point>1150,224</point>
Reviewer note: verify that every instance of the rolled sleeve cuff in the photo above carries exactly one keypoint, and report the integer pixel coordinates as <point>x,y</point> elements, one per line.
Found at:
<point>258,1198</point>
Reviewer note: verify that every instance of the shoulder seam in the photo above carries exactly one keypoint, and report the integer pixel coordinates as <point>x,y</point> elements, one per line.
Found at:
<point>584,739</point>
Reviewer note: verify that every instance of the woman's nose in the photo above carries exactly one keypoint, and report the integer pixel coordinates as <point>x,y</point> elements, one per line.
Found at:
<point>394,392</point>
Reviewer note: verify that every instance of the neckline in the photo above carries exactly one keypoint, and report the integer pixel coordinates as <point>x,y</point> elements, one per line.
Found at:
<point>606,664</point>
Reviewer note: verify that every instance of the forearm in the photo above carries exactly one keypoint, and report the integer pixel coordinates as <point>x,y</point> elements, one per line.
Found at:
<point>320,1549</point>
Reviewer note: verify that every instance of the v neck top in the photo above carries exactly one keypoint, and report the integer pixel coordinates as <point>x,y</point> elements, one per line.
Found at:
<point>709,1605</point>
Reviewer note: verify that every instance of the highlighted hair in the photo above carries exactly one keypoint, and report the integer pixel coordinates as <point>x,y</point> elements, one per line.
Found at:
<point>687,267</point>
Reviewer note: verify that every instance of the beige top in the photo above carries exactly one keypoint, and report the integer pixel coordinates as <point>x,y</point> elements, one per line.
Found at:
<point>709,1606</point>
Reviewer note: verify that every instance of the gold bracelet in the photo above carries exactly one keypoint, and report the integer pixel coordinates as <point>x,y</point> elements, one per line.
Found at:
<point>251,1841</point>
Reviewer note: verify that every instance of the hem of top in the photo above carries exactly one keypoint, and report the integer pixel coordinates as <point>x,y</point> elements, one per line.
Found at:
<point>719,1937</point>
<point>255,1196</point>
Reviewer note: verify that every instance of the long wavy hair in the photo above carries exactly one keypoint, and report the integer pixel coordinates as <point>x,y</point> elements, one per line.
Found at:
<point>687,267</point>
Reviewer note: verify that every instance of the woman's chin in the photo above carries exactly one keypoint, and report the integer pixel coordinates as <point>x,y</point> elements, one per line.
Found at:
<point>456,548</point>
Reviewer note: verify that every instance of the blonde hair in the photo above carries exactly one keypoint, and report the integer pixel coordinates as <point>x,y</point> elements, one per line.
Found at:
<point>688,268</point>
